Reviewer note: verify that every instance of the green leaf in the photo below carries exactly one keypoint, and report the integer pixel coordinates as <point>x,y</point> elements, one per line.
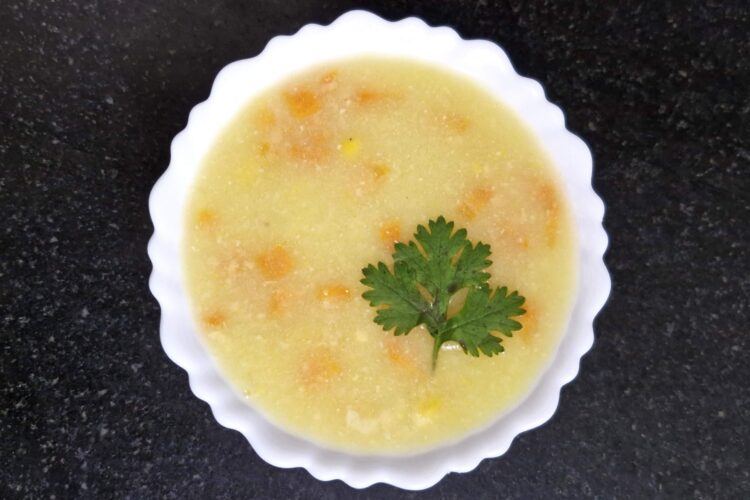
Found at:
<point>471,265</point>
<point>426,273</point>
<point>484,312</point>
<point>411,256</point>
<point>398,291</point>
<point>440,245</point>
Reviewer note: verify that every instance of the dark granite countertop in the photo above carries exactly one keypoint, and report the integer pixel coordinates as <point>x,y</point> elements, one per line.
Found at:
<point>91,94</point>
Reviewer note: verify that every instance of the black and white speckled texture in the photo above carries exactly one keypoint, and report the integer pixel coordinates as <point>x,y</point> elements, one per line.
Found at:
<point>91,94</point>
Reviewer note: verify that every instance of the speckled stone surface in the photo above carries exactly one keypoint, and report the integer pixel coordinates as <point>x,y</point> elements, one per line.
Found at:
<point>91,94</point>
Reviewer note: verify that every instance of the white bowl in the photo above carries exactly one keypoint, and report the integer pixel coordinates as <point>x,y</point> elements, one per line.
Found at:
<point>359,33</point>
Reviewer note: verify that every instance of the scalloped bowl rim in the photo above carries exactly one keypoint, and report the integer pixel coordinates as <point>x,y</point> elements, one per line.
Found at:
<point>359,33</point>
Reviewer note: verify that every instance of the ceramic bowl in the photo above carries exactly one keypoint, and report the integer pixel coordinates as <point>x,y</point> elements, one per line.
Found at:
<point>352,34</point>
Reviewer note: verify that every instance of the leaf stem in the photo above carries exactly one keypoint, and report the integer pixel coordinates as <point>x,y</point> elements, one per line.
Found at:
<point>436,350</point>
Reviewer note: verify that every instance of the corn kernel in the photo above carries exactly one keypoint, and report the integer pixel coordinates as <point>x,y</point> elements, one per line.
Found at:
<point>350,147</point>
<point>429,406</point>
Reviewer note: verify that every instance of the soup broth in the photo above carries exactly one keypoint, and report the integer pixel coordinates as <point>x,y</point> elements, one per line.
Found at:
<point>319,176</point>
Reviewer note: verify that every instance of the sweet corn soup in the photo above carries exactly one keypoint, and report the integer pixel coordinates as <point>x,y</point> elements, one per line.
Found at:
<point>322,175</point>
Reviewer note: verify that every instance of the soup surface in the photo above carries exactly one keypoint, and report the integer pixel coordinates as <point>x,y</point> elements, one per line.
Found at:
<point>318,177</point>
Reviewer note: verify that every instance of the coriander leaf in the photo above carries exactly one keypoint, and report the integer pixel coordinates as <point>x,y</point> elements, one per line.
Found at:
<point>440,245</point>
<point>439,241</point>
<point>471,265</point>
<point>491,345</point>
<point>426,273</point>
<point>440,272</point>
<point>398,291</point>
<point>413,258</point>
<point>482,313</point>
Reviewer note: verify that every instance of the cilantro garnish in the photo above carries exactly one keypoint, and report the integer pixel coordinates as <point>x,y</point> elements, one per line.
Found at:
<point>426,274</point>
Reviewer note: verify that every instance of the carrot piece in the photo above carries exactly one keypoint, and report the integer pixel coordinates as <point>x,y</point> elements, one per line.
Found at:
<point>453,122</point>
<point>312,146</point>
<point>475,202</point>
<point>205,218</point>
<point>275,263</point>
<point>320,367</point>
<point>333,293</point>
<point>466,210</point>
<point>390,232</point>
<point>302,103</point>
<point>396,355</point>
<point>548,198</point>
<point>370,97</point>
<point>400,355</point>
<point>380,171</point>
<point>214,319</point>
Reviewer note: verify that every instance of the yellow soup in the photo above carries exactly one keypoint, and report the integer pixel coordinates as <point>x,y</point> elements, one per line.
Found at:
<point>318,177</point>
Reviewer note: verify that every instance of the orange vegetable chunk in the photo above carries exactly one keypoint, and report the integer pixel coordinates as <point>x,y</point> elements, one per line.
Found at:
<point>302,103</point>
<point>334,293</point>
<point>205,218</point>
<point>547,195</point>
<point>398,353</point>
<point>275,263</point>
<point>380,171</point>
<point>319,367</point>
<point>214,319</point>
<point>370,97</point>
<point>313,146</point>
<point>475,202</point>
<point>454,122</point>
<point>390,232</point>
